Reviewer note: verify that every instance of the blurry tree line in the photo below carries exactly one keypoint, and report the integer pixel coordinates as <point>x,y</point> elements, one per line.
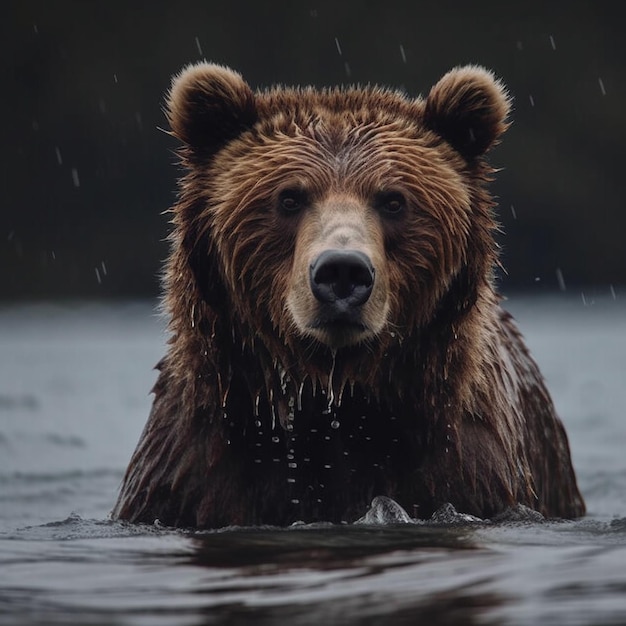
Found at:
<point>86,173</point>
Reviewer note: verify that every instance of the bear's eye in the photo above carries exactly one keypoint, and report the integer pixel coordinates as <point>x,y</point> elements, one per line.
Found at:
<point>391,203</point>
<point>292,200</point>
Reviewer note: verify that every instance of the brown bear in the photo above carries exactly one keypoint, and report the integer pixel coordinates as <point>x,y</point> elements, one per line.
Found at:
<point>335,329</point>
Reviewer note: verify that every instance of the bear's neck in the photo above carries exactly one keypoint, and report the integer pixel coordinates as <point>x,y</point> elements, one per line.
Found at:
<point>435,371</point>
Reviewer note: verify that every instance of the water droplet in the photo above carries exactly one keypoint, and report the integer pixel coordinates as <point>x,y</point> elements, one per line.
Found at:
<point>327,437</point>
<point>327,466</point>
<point>198,46</point>
<point>291,480</point>
<point>289,427</point>
<point>335,424</point>
<point>275,439</point>
<point>602,89</point>
<point>292,465</point>
<point>257,460</point>
<point>295,501</point>
<point>257,423</point>
<point>75,178</point>
<point>402,53</point>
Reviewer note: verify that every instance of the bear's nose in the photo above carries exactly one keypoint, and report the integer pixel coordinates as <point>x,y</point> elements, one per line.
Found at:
<point>342,275</point>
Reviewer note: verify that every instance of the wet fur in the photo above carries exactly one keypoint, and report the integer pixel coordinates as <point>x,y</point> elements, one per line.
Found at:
<point>254,420</point>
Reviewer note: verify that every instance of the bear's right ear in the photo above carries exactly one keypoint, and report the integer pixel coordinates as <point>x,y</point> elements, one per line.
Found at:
<point>208,105</point>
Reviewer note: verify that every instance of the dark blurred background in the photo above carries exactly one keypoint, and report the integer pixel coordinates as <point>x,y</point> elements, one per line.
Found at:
<point>86,174</point>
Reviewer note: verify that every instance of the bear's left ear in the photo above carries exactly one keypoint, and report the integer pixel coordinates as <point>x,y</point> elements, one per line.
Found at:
<point>468,107</point>
<point>208,105</point>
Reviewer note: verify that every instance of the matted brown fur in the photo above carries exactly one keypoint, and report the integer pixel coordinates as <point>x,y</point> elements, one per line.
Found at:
<point>266,413</point>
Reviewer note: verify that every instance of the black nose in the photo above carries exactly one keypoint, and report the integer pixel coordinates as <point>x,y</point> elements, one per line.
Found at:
<point>346,275</point>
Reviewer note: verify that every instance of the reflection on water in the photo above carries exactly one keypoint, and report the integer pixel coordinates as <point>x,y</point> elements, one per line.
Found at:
<point>74,385</point>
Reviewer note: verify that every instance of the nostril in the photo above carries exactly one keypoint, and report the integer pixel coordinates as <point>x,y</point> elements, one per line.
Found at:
<point>342,275</point>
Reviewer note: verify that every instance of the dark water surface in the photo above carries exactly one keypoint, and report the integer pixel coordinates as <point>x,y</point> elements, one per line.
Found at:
<point>74,383</point>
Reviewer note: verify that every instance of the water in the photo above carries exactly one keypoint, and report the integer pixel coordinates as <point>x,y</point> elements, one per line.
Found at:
<point>74,383</point>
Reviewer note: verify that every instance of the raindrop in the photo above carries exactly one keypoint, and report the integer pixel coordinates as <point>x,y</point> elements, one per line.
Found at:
<point>199,46</point>
<point>519,45</point>
<point>582,295</point>
<point>335,424</point>
<point>327,466</point>
<point>560,279</point>
<point>75,178</point>
<point>327,437</point>
<point>36,29</point>
<point>115,78</point>
<point>257,423</point>
<point>98,278</point>
<point>104,268</point>
<point>602,89</point>
<point>348,70</point>
<point>513,213</point>
<point>257,460</point>
<point>292,465</point>
<point>532,100</point>
<point>57,152</point>
<point>338,46</point>
<point>613,294</point>
<point>402,53</point>
<point>552,42</point>
<point>275,439</point>
<point>295,501</point>
<point>291,480</point>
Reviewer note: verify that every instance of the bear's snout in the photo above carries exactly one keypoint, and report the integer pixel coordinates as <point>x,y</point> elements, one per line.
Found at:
<point>341,279</point>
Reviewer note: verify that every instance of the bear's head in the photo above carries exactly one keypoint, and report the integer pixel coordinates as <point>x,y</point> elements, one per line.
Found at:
<point>341,220</point>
